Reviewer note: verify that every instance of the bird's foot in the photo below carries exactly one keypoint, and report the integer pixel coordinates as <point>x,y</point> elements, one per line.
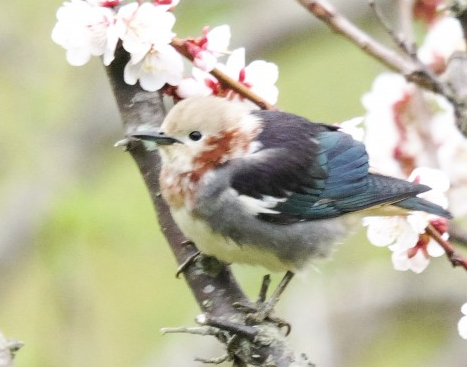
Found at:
<point>208,264</point>
<point>262,309</point>
<point>188,261</point>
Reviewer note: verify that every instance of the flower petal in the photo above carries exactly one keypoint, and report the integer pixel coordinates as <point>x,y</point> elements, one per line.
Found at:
<point>462,327</point>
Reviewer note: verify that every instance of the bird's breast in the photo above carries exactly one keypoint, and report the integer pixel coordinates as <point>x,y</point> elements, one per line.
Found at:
<point>224,248</point>
<point>177,189</point>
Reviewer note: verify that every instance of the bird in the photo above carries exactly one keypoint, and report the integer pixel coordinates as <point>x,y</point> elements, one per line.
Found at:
<point>269,188</point>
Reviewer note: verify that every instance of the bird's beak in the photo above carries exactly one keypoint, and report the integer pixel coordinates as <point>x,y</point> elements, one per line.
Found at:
<point>157,136</point>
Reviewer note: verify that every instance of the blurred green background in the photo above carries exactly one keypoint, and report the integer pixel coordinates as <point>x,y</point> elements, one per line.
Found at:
<point>86,278</point>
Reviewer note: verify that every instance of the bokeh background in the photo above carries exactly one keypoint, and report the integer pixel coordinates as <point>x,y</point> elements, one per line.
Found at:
<point>86,278</point>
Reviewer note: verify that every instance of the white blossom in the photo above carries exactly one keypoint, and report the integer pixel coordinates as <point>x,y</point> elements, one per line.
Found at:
<point>158,67</point>
<point>353,128</point>
<point>462,325</point>
<point>259,76</point>
<point>199,84</point>
<point>381,131</point>
<point>143,28</point>
<point>405,235</point>
<point>444,38</point>
<point>407,127</point>
<point>85,30</point>
<point>208,48</point>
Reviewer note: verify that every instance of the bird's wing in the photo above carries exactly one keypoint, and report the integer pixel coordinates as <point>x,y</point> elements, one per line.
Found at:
<point>306,171</point>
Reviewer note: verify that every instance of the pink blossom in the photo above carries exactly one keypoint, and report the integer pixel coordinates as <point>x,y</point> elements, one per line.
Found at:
<point>207,49</point>
<point>85,30</point>
<point>407,127</point>
<point>426,10</point>
<point>260,76</point>
<point>166,4</point>
<point>382,135</point>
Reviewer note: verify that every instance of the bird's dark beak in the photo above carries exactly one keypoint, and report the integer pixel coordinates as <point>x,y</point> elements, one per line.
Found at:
<point>157,136</point>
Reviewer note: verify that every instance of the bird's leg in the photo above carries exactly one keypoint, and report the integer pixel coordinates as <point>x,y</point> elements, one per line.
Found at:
<point>263,309</point>
<point>264,289</point>
<point>268,307</point>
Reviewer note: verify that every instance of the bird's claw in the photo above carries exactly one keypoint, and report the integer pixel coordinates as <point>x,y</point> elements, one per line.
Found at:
<point>259,312</point>
<point>188,261</point>
<point>262,310</point>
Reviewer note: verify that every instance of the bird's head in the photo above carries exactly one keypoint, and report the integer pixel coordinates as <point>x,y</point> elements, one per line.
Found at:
<point>202,131</point>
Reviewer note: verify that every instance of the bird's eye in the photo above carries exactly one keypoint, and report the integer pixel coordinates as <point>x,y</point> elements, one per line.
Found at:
<point>195,135</point>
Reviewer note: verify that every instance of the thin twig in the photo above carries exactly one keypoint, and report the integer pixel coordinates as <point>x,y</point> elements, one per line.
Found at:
<point>181,46</point>
<point>249,332</point>
<point>454,257</point>
<point>413,71</point>
<point>459,9</point>
<point>197,330</point>
<point>405,22</point>
<point>406,47</point>
<point>458,235</point>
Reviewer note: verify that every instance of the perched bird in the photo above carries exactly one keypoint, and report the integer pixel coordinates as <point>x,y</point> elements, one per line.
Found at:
<point>266,187</point>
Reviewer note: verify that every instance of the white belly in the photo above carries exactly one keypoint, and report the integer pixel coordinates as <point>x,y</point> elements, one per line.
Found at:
<point>222,248</point>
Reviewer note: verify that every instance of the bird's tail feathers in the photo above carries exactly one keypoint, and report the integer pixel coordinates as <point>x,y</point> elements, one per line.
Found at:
<point>419,204</point>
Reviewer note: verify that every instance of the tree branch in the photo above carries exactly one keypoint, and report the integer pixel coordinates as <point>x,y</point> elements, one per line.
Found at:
<point>412,69</point>
<point>453,256</point>
<point>213,287</point>
<point>459,9</point>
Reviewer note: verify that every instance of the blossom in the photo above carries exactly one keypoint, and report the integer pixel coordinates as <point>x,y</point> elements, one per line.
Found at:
<point>259,76</point>
<point>462,325</point>
<point>166,4</point>
<point>158,67</point>
<point>104,3</point>
<point>382,133</point>
<point>443,39</point>
<point>199,84</point>
<point>85,30</point>
<point>407,127</point>
<point>426,10</point>
<point>207,49</point>
<point>144,27</point>
<point>353,127</point>
<point>405,235</point>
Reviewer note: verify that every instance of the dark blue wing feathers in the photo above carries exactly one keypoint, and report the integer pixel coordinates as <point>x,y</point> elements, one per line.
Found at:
<point>320,171</point>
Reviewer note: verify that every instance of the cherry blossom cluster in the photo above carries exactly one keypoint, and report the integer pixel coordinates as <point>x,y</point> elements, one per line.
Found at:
<point>407,128</point>
<point>88,28</point>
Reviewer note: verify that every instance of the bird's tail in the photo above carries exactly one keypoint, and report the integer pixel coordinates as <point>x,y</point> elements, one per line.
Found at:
<point>419,204</point>
<point>401,194</point>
